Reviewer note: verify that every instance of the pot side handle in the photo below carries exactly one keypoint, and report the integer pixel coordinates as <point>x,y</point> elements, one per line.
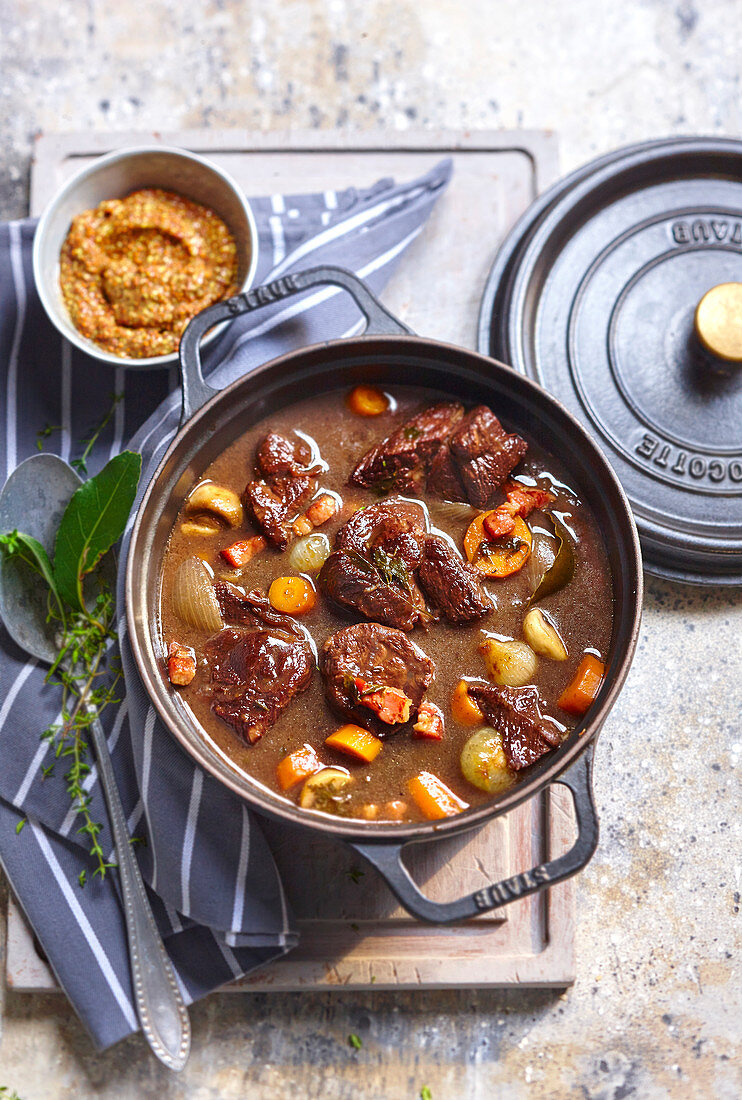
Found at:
<point>386,858</point>
<point>196,392</point>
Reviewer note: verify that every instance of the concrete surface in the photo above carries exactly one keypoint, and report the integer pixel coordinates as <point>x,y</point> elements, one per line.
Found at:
<point>656,1009</point>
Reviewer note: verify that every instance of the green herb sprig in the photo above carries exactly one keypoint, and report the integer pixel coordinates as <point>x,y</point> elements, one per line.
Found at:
<point>81,464</point>
<point>81,614</point>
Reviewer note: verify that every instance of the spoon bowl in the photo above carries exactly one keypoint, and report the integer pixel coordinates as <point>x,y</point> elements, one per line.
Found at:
<point>33,500</point>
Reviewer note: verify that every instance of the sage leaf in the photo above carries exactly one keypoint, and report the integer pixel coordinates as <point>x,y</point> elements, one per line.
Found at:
<point>93,521</point>
<point>562,569</point>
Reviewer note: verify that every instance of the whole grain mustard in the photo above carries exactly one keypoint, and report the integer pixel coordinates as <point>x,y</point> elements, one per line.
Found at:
<point>134,271</point>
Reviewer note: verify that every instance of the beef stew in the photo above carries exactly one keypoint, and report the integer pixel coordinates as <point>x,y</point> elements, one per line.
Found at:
<point>364,587</point>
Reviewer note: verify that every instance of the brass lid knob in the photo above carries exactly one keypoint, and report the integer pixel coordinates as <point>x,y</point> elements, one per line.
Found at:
<point>718,321</point>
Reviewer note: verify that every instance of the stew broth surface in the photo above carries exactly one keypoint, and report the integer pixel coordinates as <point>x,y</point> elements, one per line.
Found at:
<point>582,611</point>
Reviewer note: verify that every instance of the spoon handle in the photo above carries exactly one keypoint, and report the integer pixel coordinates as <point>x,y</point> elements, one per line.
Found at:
<point>160,1006</point>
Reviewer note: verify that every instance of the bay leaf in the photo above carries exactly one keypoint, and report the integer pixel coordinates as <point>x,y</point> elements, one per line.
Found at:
<point>562,569</point>
<point>93,521</point>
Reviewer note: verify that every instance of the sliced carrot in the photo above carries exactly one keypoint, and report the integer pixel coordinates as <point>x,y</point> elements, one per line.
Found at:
<point>367,401</point>
<point>292,595</point>
<point>355,741</point>
<point>297,766</point>
<point>429,725</point>
<point>584,686</point>
<point>463,708</point>
<point>433,798</point>
<point>501,557</point>
<point>240,553</point>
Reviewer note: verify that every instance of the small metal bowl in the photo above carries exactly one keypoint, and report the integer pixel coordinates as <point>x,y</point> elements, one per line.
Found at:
<point>115,176</point>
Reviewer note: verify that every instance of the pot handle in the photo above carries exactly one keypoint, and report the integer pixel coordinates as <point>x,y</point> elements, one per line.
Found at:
<point>386,858</point>
<point>196,392</point>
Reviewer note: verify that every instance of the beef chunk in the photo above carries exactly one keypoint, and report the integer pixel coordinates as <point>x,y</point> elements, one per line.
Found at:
<point>357,584</point>
<point>255,672</point>
<point>380,656</point>
<point>402,460</point>
<point>274,504</point>
<point>464,458</point>
<point>279,457</point>
<point>287,484</point>
<point>443,479</point>
<point>396,525</point>
<point>526,733</point>
<point>254,676</point>
<point>372,570</point>
<point>450,584</point>
<point>253,609</point>
<point>484,454</point>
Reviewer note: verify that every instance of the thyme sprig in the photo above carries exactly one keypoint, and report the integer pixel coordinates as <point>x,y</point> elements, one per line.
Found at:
<point>81,464</point>
<point>88,681</point>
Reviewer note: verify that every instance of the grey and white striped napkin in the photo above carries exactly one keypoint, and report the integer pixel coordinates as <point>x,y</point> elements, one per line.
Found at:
<point>213,884</point>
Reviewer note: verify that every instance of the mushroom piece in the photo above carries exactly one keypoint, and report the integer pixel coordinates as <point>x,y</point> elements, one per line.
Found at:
<point>542,636</point>
<point>201,526</point>
<point>219,501</point>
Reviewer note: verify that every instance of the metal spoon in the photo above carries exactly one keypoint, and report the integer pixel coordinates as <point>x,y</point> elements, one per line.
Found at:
<point>33,500</point>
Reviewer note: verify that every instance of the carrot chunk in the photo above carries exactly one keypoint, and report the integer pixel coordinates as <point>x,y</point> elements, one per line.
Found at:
<point>355,741</point>
<point>390,704</point>
<point>181,664</point>
<point>429,725</point>
<point>433,798</point>
<point>240,553</point>
<point>463,708</point>
<point>297,766</point>
<point>584,686</point>
<point>292,595</point>
<point>367,401</point>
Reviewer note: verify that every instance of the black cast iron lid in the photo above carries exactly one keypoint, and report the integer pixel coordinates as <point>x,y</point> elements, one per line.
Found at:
<point>594,294</point>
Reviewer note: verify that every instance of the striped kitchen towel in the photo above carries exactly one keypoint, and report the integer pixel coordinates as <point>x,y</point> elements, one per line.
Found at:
<point>213,884</point>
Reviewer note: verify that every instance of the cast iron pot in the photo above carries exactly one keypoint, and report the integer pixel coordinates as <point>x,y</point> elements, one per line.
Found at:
<point>387,353</point>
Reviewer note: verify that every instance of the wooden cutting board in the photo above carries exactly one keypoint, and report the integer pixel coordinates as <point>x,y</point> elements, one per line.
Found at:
<point>353,933</point>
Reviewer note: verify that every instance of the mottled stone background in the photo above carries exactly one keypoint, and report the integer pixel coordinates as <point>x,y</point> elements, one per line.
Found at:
<point>656,1008</point>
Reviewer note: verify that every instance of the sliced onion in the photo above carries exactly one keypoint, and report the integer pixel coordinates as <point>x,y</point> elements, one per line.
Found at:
<point>452,511</point>
<point>193,596</point>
